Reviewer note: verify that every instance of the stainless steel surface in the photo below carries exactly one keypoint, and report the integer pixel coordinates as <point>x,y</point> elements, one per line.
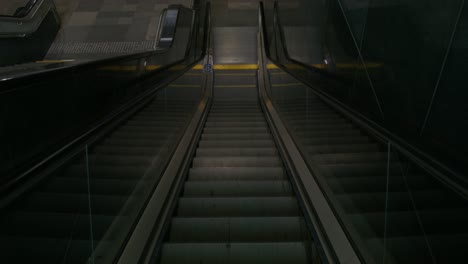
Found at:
<point>235,45</point>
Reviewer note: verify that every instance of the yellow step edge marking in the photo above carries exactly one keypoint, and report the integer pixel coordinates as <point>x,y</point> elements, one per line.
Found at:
<point>287,84</point>
<point>235,67</point>
<point>229,67</point>
<point>152,67</point>
<point>196,67</point>
<point>272,66</point>
<point>235,74</point>
<point>236,86</point>
<point>177,67</point>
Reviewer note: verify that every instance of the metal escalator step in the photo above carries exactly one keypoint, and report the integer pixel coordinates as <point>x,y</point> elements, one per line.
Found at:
<point>235,173</point>
<point>237,143</point>
<point>234,253</point>
<point>237,229</point>
<point>233,152</point>
<point>253,108</point>
<point>235,119</point>
<point>221,115</point>
<point>237,162</point>
<point>234,110</point>
<point>236,124</point>
<point>222,130</point>
<point>237,188</point>
<point>235,104</point>
<point>236,136</point>
<point>237,207</point>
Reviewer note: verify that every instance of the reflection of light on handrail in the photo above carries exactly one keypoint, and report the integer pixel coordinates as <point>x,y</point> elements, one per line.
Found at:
<point>54,61</point>
<point>129,68</point>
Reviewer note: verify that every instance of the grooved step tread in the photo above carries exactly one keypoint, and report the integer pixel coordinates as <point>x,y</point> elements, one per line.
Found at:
<point>237,188</point>
<point>235,253</point>
<point>233,152</point>
<point>237,229</point>
<point>243,161</point>
<point>236,173</point>
<point>238,206</point>
<point>236,136</point>
<point>249,143</point>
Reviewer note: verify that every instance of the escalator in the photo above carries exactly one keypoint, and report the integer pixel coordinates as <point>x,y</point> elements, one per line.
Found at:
<point>227,164</point>
<point>52,221</point>
<point>237,204</point>
<point>379,196</point>
<point>396,202</point>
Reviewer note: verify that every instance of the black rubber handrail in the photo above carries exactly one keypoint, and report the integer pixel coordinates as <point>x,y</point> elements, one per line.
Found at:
<point>23,11</point>
<point>430,164</point>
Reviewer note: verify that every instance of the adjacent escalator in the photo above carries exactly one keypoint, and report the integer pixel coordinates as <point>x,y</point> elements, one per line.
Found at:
<point>87,208</point>
<point>392,208</point>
